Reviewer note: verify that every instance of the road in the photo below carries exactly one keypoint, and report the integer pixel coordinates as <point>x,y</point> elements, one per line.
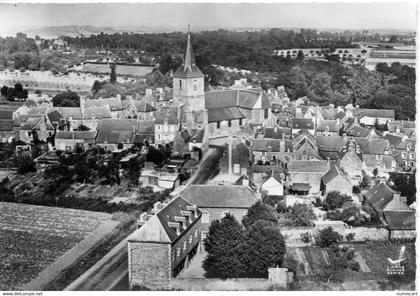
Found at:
<point>110,273</point>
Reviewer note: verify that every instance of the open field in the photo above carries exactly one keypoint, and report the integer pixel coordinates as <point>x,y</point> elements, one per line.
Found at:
<point>34,237</point>
<point>372,259</point>
<point>121,69</point>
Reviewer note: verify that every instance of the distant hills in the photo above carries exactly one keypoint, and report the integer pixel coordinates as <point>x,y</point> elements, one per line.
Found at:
<point>87,30</point>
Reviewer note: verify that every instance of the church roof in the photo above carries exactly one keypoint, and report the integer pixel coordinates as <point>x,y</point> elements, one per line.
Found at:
<point>188,67</point>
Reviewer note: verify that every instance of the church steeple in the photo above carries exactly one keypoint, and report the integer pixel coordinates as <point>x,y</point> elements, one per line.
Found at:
<point>188,67</point>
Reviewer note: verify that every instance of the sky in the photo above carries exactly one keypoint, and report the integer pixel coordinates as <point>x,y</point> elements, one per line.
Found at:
<point>257,15</point>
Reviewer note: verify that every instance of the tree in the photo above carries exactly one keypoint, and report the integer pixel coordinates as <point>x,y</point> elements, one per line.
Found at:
<point>259,211</point>
<point>97,86</point>
<point>264,248</point>
<point>25,165</point>
<point>224,247</point>
<point>335,200</point>
<point>113,74</point>
<point>406,184</point>
<point>300,55</point>
<point>301,214</point>
<point>134,170</point>
<point>82,127</point>
<point>339,260</point>
<point>4,91</point>
<point>66,99</point>
<point>327,237</point>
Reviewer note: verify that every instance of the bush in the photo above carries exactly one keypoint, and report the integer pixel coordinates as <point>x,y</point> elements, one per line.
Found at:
<point>306,237</point>
<point>333,215</point>
<point>290,263</point>
<point>327,237</point>
<point>25,165</point>
<point>282,207</point>
<point>259,211</point>
<point>350,236</point>
<point>335,200</point>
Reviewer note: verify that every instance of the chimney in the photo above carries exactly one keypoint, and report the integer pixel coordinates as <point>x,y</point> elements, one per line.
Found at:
<point>397,195</point>
<point>328,160</point>
<point>144,217</point>
<point>193,209</point>
<point>187,214</point>
<point>230,157</point>
<point>148,91</point>
<point>176,226</point>
<point>245,181</point>
<point>403,199</point>
<point>182,220</point>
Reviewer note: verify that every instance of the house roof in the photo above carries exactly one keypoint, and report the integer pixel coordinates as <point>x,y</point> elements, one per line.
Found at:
<point>308,166</point>
<point>246,99</point>
<point>379,196</point>
<point>407,144</point>
<point>220,196</point>
<point>302,123</point>
<point>113,103</point>
<point>157,228</point>
<point>271,145</point>
<point>371,161</point>
<point>275,175</point>
<point>85,135</point>
<point>6,124</point>
<point>267,169</point>
<point>167,115</point>
<point>333,143</point>
<point>357,131</point>
<point>327,125</point>
<point>116,131</point>
<point>34,123</point>
<point>393,125</point>
<point>332,174</point>
<point>401,220</point>
<point>396,204</point>
<point>277,132</point>
<point>378,113</point>
<point>393,139</point>
<point>373,146</point>
<point>6,114</point>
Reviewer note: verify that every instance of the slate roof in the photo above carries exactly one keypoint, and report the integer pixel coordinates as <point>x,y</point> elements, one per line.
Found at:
<point>220,196</point>
<point>357,131</point>
<point>114,103</point>
<point>274,175</point>
<point>333,143</point>
<point>394,140</point>
<point>228,113</point>
<point>266,145</point>
<point>332,174</point>
<point>401,220</point>
<point>373,146</point>
<point>379,113</point>
<point>114,131</point>
<point>330,125</point>
<point>379,196</point>
<point>308,166</point>
<point>6,125</point>
<point>301,186</point>
<point>371,161</point>
<point>188,67</point>
<point>190,134</point>
<point>245,99</point>
<point>277,132</point>
<point>157,228</point>
<point>393,125</point>
<point>407,143</point>
<point>85,135</point>
<point>267,169</point>
<point>33,123</point>
<point>6,114</point>
<point>302,123</point>
<point>167,115</point>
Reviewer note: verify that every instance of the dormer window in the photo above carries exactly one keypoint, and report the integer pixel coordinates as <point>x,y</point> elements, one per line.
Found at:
<point>180,84</point>
<point>195,85</point>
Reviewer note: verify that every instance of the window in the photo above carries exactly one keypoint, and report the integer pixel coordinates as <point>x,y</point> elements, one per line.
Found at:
<point>178,252</point>
<point>378,157</point>
<point>206,217</point>
<point>403,155</point>
<point>411,156</point>
<point>195,85</point>
<point>180,84</point>
<point>196,233</point>
<point>159,127</point>
<point>240,122</point>
<point>224,214</point>
<point>28,134</point>
<point>184,247</point>
<point>265,113</point>
<point>190,240</point>
<point>158,137</point>
<point>218,124</point>
<point>229,123</point>
<point>411,163</point>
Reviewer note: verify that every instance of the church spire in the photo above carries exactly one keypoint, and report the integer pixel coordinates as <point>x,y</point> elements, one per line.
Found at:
<point>189,61</point>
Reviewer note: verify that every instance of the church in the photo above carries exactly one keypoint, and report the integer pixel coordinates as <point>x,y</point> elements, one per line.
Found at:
<point>214,114</point>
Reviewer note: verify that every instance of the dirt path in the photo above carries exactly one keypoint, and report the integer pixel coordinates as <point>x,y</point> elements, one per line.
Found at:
<point>362,263</point>
<point>300,257</point>
<point>63,262</point>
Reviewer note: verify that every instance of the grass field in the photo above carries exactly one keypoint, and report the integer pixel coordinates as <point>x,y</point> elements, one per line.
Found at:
<point>33,237</point>
<point>120,69</point>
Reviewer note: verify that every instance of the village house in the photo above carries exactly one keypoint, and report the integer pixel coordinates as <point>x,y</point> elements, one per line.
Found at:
<point>74,140</point>
<point>303,124</point>
<point>159,179</point>
<point>271,151</point>
<point>86,116</point>
<point>273,184</point>
<point>215,201</point>
<point>42,127</point>
<point>369,117</point>
<point>190,141</point>
<point>405,154</point>
<point>236,159</point>
<point>350,160</point>
<point>308,173</point>
<point>336,180</point>
<point>330,147</point>
<point>7,125</point>
<point>167,122</point>
<point>327,128</point>
<point>165,243</point>
<point>304,147</point>
<point>117,134</point>
<point>400,128</point>
<point>376,154</point>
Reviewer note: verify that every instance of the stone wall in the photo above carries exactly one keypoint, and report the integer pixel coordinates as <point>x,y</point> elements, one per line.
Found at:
<point>149,264</point>
<point>402,234</point>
